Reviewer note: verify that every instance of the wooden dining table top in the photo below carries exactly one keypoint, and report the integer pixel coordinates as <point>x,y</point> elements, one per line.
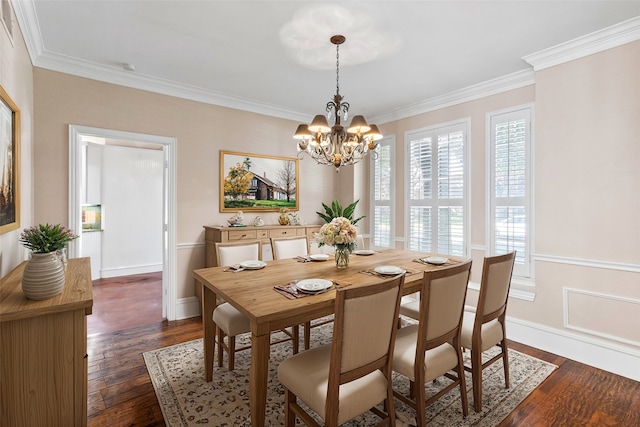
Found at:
<point>252,291</point>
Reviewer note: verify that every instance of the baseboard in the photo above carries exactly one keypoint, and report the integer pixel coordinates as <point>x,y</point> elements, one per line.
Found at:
<point>607,356</point>
<point>107,273</point>
<point>187,307</point>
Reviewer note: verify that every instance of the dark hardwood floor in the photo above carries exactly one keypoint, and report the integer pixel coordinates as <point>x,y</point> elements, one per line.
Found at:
<point>121,394</point>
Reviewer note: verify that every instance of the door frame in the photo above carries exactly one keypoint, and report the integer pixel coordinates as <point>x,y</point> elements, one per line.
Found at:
<point>169,247</point>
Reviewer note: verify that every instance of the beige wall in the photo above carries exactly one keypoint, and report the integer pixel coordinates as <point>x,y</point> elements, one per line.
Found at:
<point>16,77</point>
<point>202,130</point>
<point>586,193</point>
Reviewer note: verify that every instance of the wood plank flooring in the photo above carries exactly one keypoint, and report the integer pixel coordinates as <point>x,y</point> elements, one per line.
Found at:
<point>121,394</point>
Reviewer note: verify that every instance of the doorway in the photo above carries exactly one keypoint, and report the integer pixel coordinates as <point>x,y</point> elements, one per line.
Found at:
<point>77,170</point>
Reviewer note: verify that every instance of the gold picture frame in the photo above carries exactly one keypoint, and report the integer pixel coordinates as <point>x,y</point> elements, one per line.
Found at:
<point>256,182</point>
<point>9,164</point>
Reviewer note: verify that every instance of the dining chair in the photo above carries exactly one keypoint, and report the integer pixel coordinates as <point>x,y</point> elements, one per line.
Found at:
<point>483,327</point>
<point>351,375</point>
<point>229,321</point>
<point>431,348</point>
<point>291,247</point>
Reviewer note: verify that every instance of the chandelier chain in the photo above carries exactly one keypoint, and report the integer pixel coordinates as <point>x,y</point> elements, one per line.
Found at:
<point>338,69</point>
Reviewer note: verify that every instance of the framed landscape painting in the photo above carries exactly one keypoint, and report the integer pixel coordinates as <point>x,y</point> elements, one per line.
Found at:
<point>9,164</point>
<point>256,182</point>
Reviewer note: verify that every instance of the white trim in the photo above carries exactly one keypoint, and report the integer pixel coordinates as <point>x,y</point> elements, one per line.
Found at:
<point>481,248</point>
<point>106,273</point>
<point>607,38</point>
<point>568,325</point>
<point>481,90</point>
<point>609,265</point>
<point>611,357</point>
<point>75,210</point>
<point>187,307</point>
<point>195,245</point>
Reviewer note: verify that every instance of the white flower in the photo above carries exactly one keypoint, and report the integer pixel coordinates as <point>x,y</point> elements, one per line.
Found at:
<point>339,231</point>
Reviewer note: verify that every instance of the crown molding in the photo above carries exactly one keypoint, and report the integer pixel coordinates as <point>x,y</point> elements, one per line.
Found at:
<point>607,38</point>
<point>490,87</point>
<point>28,21</point>
<point>115,75</point>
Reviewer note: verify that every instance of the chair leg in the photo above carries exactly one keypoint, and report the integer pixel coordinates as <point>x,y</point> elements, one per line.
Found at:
<point>295,332</point>
<point>463,383</point>
<point>307,335</point>
<point>289,416</point>
<point>232,352</point>
<point>220,338</point>
<point>476,377</point>
<point>421,406</point>
<point>505,362</point>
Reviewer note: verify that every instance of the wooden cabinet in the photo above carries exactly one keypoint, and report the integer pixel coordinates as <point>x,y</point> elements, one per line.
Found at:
<point>225,234</point>
<point>43,351</point>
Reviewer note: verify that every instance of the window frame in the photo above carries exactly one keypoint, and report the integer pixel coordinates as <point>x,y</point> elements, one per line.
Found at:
<point>464,125</point>
<point>522,272</point>
<point>387,141</point>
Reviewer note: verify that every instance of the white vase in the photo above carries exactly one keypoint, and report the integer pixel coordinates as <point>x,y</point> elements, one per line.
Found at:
<point>43,276</point>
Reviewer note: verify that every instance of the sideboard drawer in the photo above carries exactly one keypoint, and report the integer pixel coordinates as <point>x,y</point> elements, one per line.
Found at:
<point>262,234</point>
<point>242,234</point>
<point>282,232</point>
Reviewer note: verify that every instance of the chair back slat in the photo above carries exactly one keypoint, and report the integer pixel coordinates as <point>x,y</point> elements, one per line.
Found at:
<point>229,253</point>
<point>442,300</point>
<point>289,247</point>
<point>365,326</point>
<point>494,288</point>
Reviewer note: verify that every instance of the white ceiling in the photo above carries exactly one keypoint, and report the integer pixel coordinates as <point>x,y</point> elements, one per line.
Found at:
<point>275,56</point>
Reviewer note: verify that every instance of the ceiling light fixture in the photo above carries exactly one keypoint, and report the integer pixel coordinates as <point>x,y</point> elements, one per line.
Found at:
<point>335,145</point>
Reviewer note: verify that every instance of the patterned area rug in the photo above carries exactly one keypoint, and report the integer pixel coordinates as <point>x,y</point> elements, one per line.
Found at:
<point>177,373</point>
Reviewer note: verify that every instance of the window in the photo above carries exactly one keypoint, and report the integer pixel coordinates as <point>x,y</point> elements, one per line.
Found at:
<point>382,200</point>
<point>437,185</point>
<point>510,185</point>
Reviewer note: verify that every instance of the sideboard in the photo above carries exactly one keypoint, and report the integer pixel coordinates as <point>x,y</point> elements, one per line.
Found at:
<point>43,351</point>
<point>264,233</point>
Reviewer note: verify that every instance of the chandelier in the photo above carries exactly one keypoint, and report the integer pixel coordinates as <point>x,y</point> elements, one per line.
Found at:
<point>335,145</point>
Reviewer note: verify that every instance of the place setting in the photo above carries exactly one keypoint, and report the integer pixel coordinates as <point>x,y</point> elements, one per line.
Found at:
<point>312,257</point>
<point>307,287</point>
<point>246,265</point>
<point>434,260</point>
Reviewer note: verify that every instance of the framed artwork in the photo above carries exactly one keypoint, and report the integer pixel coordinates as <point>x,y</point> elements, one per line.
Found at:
<point>9,164</point>
<point>255,182</point>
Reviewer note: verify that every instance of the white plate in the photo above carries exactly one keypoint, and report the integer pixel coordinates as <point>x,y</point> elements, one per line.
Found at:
<point>437,260</point>
<point>313,285</point>
<point>390,270</point>
<point>319,257</point>
<point>253,264</point>
<point>364,252</point>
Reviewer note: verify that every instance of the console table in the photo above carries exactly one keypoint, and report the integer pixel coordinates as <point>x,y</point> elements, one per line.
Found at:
<point>264,233</point>
<point>43,356</point>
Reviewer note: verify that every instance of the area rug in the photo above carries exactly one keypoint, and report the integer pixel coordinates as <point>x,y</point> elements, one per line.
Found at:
<point>186,399</point>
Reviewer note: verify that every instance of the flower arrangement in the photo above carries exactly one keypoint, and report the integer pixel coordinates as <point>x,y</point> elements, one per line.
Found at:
<point>46,238</point>
<point>339,233</point>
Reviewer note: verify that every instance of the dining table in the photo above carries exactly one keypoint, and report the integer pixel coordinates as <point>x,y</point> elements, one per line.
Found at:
<point>253,292</point>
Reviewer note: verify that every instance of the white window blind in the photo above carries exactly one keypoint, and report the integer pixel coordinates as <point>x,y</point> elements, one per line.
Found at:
<point>437,206</point>
<point>382,203</point>
<point>510,186</point>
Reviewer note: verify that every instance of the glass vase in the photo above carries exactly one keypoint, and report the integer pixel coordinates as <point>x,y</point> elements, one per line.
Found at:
<point>342,257</point>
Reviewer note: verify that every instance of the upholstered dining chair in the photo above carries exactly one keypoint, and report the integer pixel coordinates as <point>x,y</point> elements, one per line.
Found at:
<point>352,375</point>
<point>483,327</point>
<point>431,348</point>
<point>229,321</point>
<point>291,247</point>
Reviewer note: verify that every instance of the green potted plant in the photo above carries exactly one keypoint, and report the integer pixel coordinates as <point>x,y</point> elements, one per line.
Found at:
<point>43,276</point>
<point>336,211</point>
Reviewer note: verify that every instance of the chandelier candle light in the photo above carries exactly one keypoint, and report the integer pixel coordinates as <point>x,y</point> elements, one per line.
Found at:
<point>335,145</point>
